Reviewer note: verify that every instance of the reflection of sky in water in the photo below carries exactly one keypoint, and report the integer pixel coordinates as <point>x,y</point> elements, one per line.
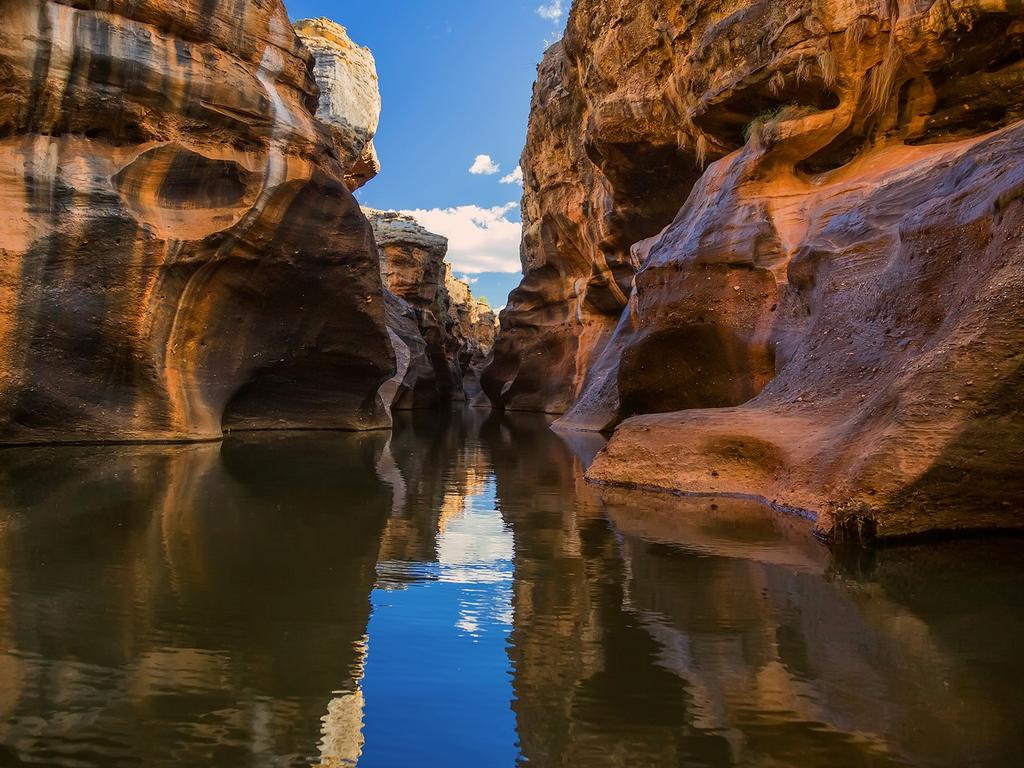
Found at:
<point>434,696</point>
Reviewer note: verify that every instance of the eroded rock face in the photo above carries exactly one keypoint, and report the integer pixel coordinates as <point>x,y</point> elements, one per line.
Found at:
<point>350,103</point>
<point>179,253</point>
<point>412,268</point>
<point>456,331</point>
<point>609,159</point>
<point>474,326</point>
<point>832,320</point>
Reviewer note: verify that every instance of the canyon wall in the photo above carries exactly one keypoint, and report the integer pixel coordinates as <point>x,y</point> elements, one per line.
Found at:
<point>597,164</point>
<point>161,172</point>
<point>780,246</point>
<point>438,326</point>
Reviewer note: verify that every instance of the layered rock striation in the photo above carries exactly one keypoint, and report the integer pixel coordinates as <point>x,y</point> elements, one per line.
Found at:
<point>440,328</point>
<point>179,250</point>
<point>829,316</point>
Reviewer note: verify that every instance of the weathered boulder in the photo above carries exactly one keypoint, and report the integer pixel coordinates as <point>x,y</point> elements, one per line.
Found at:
<point>832,318</point>
<point>896,332</point>
<point>179,253</point>
<point>350,103</point>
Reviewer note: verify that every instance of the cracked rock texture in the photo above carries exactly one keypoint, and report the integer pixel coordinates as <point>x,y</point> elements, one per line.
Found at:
<point>454,330</point>
<point>779,246</point>
<point>179,251</point>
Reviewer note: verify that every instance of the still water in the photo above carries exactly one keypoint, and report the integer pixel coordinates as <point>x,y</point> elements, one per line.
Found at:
<point>453,594</point>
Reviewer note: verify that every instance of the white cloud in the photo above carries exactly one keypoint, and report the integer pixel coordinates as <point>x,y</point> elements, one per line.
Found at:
<point>468,280</point>
<point>484,166</point>
<point>516,177</point>
<point>552,11</point>
<point>479,239</point>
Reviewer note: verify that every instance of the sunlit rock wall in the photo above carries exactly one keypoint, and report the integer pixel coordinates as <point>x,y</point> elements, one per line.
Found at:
<point>610,157</point>
<point>350,102</point>
<point>456,330</point>
<point>830,316</point>
<point>179,253</point>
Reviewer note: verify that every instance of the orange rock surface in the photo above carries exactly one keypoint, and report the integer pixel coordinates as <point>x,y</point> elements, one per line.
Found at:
<point>831,316</point>
<point>600,174</point>
<point>161,173</point>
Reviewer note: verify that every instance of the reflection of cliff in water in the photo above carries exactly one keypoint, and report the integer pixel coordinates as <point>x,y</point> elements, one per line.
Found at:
<point>653,631</point>
<point>434,465</point>
<point>210,597</point>
<point>208,605</point>
<point>789,665</point>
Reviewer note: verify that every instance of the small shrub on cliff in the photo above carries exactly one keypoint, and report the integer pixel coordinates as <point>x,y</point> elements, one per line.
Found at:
<point>761,128</point>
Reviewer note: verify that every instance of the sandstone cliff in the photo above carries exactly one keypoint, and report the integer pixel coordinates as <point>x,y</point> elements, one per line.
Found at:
<point>161,172</point>
<point>349,95</point>
<point>454,330</point>
<point>829,317</point>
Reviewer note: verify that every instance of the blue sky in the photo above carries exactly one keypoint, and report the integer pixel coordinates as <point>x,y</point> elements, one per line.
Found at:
<point>456,78</point>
